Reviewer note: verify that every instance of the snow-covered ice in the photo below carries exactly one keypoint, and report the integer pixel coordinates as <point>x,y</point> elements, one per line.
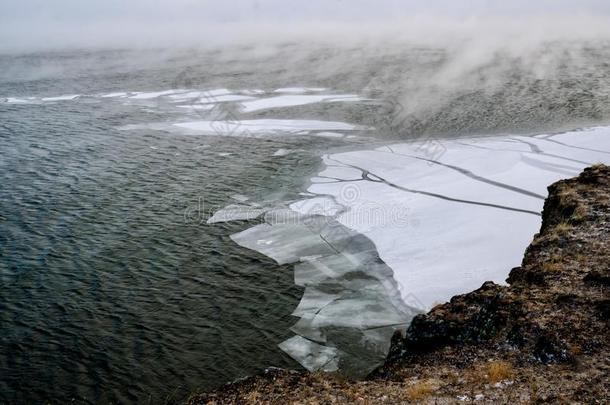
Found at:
<point>447,223</point>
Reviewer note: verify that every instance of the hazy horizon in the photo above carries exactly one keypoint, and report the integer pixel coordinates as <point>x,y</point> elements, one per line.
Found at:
<point>32,25</point>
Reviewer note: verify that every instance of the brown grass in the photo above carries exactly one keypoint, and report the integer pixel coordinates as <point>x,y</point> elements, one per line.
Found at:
<point>499,371</point>
<point>419,391</point>
<point>567,196</point>
<point>563,227</point>
<point>580,213</point>
<point>551,267</point>
<point>253,397</point>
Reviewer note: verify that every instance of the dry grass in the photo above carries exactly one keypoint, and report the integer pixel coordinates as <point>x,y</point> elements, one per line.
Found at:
<point>563,227</point>
<point>567,196</point>
<point>499,371</point>
<point>555,262</point>
<point>419,391</point>
<point>555,233</point>
<point>576,349</point>
<point>580,213</point>
<point>551,267</point>
<point>253,397</point>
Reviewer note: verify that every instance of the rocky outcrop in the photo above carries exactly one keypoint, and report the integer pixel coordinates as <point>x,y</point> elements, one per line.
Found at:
<point>541,338</point>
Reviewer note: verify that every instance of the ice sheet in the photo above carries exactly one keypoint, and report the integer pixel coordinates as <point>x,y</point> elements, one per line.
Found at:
<point>447,222</point>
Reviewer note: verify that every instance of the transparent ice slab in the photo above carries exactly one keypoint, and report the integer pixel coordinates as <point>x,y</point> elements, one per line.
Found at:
<point>351,304</point>
<point>312,356</point>
<point>235,212</point>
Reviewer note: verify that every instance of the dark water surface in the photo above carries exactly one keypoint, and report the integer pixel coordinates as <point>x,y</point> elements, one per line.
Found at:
<point>112,286</point>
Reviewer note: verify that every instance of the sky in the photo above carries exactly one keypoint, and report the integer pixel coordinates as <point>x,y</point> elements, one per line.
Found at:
<point>40,24</point>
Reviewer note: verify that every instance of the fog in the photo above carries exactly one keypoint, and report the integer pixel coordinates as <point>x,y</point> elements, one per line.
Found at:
<point>27,25</point>
<point>439,66</point>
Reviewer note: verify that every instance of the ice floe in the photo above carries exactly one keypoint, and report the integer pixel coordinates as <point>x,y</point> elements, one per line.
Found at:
<point>225,98</point>
<point>235,212</point>
<point>116,94</point>
<point>299,90</point>
<point>17,100</point>
<point>154,94</point>
<point>199,107</point>
<point>281,152</point>
<point>66,97</point>
<point>351,304</point>
<point>295,100</point>
<point>313,356</point>
<point>262,127</point>
<point>193,94</point>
